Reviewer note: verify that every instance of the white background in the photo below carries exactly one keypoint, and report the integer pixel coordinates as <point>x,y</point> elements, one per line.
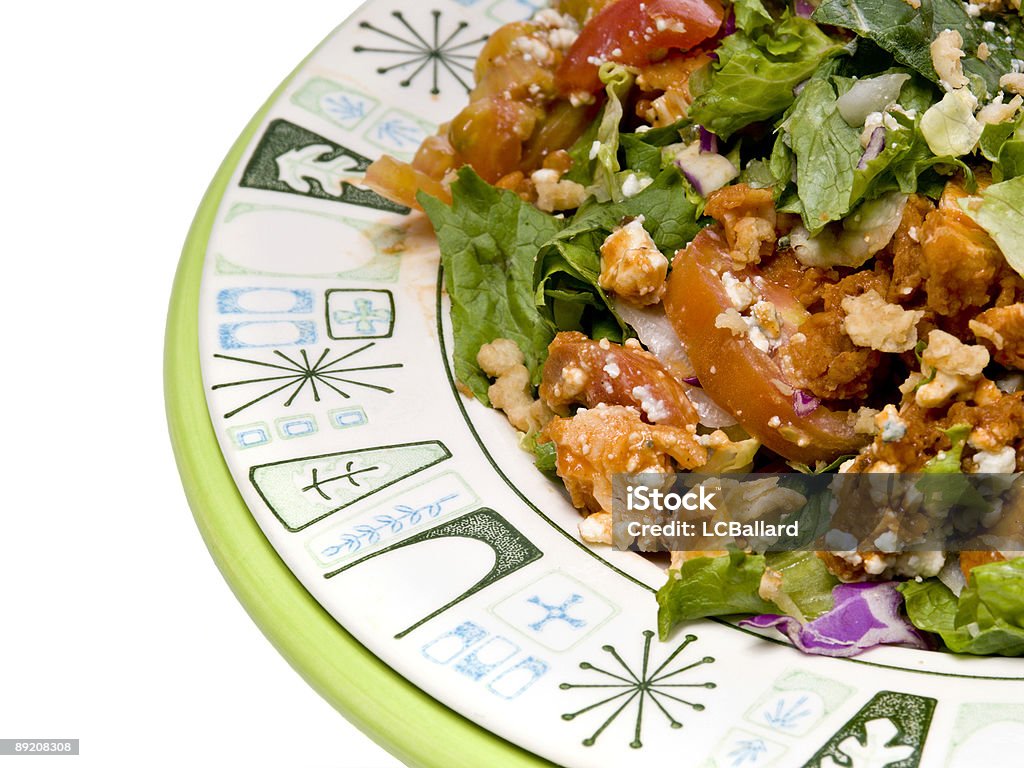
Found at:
<point>115,626</point>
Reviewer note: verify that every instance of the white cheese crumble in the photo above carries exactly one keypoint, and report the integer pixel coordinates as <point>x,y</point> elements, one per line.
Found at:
<point>873,322</point>
<point>1001,462</point>
<point>891,427</point>
<point>947,52</point>
<point>655,409</point>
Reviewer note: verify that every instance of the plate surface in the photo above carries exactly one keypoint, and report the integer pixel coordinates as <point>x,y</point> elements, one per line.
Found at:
<point>390,536</point>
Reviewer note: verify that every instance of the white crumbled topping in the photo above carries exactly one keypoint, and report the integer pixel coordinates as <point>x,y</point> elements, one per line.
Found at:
<point>555,193</point>
<point>581,98</point>
<point>997,112</point>
<point>763,327</point>
<point>594,149</point>
<point>1001,462</point>
<point>890,425</point>
<point>732,320</point>
<point>768,319</point>
<point>561,39</point>
<point>741,293</point>
<point>612,369</point>
<point>597,528</point>
<point>535,49</point>
<point>947,52</point>
<point>774,422</point>
<point>673,24</point>
<point>1012,82</point>
<point>887,542</point>
<point>873,322</point>
<point>916,565</point>
<point>633,185</point>
<point>974,11</point>
<point>874,121</point>
<point>865,423</point>
<point>552,19</point>
<point>632,267</point>
<point>655,409</point>
<point>989,26</point>
<point>957,366</point>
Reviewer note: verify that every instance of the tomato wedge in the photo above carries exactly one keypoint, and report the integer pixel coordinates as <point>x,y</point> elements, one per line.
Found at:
<point>738,376</point>
<point>634,32</point>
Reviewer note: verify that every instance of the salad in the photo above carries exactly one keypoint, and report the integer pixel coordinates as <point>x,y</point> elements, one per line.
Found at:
<point>693,235</point>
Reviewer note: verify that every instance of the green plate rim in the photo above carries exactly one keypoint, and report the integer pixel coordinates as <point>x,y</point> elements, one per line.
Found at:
<point>403,719</point>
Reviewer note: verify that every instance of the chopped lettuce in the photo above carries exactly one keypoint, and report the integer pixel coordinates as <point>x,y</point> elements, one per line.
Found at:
<point>569,264</point>
<point>948,462</point>
<point>907,33</point>
<point>827,150</point>
<point>799,584</point>
<point>756,72</point>
<point>987,619</point>
<point>807,583</point>
<point>751,15</point>
<point>488,239</point>
<point>712,586</point>
<point>1001,214</point>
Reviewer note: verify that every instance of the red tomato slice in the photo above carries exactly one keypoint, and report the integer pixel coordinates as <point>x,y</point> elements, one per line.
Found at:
<point>631,31</point>
<point>739,377</point>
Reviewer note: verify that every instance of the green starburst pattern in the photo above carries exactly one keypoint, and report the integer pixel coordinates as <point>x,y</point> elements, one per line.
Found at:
<point>632,689</point>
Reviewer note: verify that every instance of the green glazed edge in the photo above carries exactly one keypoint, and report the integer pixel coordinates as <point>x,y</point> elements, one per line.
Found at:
<point>407,722</point>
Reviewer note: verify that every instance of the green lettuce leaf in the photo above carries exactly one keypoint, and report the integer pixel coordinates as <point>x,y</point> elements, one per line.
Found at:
<point>751,15</point>
<point>1001,214</point>
<point>987,619</point>
<point>754,77</point>
<point>827,150</point>
<point>907,33</point>
<point>568,265</point>
<point>949,461</point>
<point>488,239</point>
<point>806,583</point>
<point>712,586</point>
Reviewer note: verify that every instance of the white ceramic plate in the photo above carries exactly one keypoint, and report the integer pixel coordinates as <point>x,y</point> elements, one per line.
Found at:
<point>413,518</point>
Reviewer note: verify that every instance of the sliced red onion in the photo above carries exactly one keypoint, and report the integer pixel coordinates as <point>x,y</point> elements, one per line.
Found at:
<point>803,9</point>
<point>729,23</point>
<point>657,334</point>
<point>709,413</point>
<point>708,140</point>
<point>706,171</point>
<point>864,616</point>
<point>804,403</point>
<point>713,56</point>
<point>874,148</point>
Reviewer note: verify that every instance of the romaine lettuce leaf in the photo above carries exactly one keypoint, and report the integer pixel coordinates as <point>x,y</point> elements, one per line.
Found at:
<point>807,583</point>
<point>568,265</point>
<point>755,75</point>
<point>488,239</point>
<point>1001,214</point>
<point>712,586</point>
<point>827,150</point>
<point>987,619</point>
<point>751,15</point>
<point>907,33</point>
